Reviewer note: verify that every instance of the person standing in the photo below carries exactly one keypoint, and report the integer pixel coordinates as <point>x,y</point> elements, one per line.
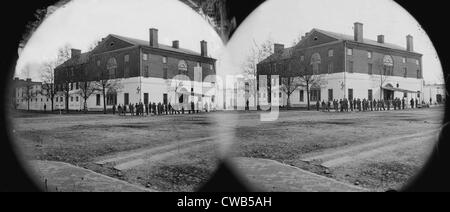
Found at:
<point>317,105</point>
<point>323,105</point>
<point>346,104</point>
<point>403,103</point>
<point>45,108</point>
<point>328,105</point>
<point>417,103</point>
<point>351,104</point>
<point>114,109</point>
<point>412,103</point>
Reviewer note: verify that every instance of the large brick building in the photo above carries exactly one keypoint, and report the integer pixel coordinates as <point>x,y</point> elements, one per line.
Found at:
<point>145,69</point>
<point>348,66</point>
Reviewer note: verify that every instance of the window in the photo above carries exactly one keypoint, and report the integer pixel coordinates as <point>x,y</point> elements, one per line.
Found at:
<point>76,86</point>
<point>98,62</point>
<point>405,72</point>
<point>403,59</point>
<point>301,95</point>
<point>126,71</point>
<point>61,99</point>
<point>330,94</point>
<point>165,73</point>
<point>417,62</point>
<point>164,60</point>
<point>418,74</point>
<point>126,98</point>
<point>350,93</point>
<point>146,98</point>
<point>111,66</point>
<point>111,98</point>
<point>144,56</point>
<point>330,53</point>
<point>146,71</point>
<point>165,100</point>
<point>369,68</point>
<point>315,95</point>
<point>350,52</point>
<point>330,67</point>
<point>315,63</point>
<point>350,66</point>
<point>126,58</point>
<point>71,86</point>
<point>369,94</point>
<point>71,99</point>
<point>405,94</point>
<point>76,99</point>
<point>97,97</point>
<point>369,55</point>
<point>302,58</point>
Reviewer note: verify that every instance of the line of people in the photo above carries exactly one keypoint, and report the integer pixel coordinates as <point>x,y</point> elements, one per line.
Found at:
<point>356,104</point>
<point>140,109</point>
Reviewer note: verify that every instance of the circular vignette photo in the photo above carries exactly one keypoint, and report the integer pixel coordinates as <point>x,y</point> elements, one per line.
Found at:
<point>331,96</point>
<point>111,95</point>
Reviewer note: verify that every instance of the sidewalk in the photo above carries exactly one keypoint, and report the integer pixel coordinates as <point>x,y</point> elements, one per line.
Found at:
<point>55,176</point>
<point>273,176</point>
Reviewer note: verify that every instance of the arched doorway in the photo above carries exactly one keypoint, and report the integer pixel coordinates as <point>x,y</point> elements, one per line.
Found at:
<point>388,92</point>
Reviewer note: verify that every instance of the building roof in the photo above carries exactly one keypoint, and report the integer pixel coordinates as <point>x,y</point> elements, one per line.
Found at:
<point>139,42</point>
<point>84,57</point>
<point>287,52</point>
<point>345,37</point>
<point>78,60</point>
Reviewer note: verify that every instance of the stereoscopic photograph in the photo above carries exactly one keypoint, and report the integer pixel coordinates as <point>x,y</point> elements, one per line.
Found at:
<point>154,95</point>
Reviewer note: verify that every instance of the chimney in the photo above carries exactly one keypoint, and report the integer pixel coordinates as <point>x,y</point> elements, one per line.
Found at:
<point>176,44</point>
<point>153,37</point>
<point>204,48</point>
<point>358,29</point>
<point>278,48</point>
<point>28,79</point>
<point>75,53</point>
<point>409,43</point>
<point>380,38</point>
<point>306,34</point>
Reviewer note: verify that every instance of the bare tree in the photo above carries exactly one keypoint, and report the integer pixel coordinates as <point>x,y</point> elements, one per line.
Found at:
<point>87,89</point>
<point>63,55</point>
<point>288,85</point>
<point>307,78</point>
<point>104,84</point>
<point>258,52</point>
<point>385,72</point>
<point>94,44</point>
<point>28,93</point>
<point>48,81</point>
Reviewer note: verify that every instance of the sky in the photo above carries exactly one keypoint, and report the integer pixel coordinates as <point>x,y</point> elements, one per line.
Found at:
<point>82,22</point>
<point>284,20</point>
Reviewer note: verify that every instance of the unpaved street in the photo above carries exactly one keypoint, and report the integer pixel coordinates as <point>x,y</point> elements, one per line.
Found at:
<point>374,150</point>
